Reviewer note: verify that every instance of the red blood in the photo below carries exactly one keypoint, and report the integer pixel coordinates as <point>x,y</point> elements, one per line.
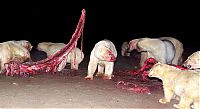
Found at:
<point>113,58</point>
<point>148,64</point>
<point>49,64</point>
<point>132,87</point>
<point>143,73</point>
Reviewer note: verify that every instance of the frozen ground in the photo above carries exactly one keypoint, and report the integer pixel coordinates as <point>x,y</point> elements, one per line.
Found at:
<point>68,89</point>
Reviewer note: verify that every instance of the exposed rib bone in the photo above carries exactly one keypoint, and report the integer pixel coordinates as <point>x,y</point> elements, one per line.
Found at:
<point>51,64</point>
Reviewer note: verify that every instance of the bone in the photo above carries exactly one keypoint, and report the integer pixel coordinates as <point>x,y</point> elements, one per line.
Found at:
<point>51,64</point>
<point>51,48</point>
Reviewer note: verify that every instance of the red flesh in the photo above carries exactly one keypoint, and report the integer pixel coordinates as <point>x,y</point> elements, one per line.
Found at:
<point>49,64</point>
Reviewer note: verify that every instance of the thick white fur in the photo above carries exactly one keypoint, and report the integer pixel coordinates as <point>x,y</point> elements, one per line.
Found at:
<point>193,61</point>
<point>182,83</point>
<point>26,44</point>
<point>14,50</point>
<point>178,49</point>
<point>100,57</point>
<point>149,46</point>
<point>51,48</point>
<point>162,51</point>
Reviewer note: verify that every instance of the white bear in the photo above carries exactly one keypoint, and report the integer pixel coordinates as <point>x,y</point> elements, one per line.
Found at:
<point>193,61</point>
<point>154,48</point>
<point>51,48</point>
<point>165,49</point>
<point>14,50</point>
<point>26,44</point>
<point>103,56</point>
<point>176,82</point>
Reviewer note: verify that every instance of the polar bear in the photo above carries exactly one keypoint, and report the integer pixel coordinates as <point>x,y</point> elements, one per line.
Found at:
<point>165,49</point>
<point>153,48</point>
<point>51,48</point>
<point>178,49</point>
<point>14,50</point>
<point>176,82</point>
<point>103,56</point>
<point>193,61</point>
<point>26,44</point>
<point>124,49</point>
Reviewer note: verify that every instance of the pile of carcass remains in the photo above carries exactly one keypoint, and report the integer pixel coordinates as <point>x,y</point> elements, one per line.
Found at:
<point>133,79</point>
<point>51,64</point>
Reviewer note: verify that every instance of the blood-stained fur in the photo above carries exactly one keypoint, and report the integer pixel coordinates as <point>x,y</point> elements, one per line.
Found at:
<point>182,83</point>
<point>193,61</point>
<point>14,50</point>
<point>51,48</point>
<point>165,49</point>
<point>103,56</point>
<point>124,49</point>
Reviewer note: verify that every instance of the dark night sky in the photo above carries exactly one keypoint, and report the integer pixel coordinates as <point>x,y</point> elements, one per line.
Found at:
<point>117,21</point>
